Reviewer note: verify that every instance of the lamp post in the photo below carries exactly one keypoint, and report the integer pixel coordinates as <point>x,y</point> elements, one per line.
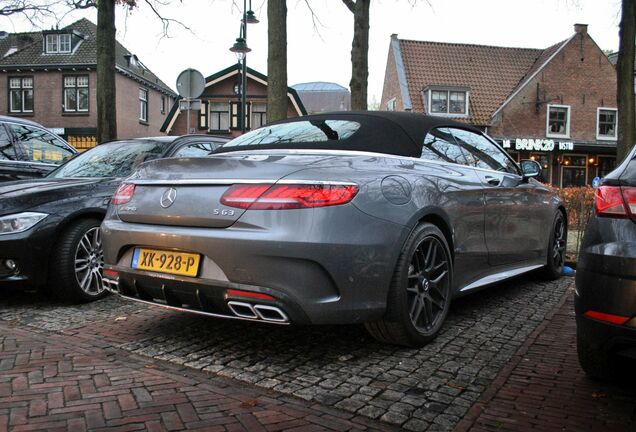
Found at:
<point>241,49</point>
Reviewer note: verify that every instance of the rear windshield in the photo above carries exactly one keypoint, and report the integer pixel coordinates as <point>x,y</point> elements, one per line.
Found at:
<point>298,132</point>
<point>117,159</point>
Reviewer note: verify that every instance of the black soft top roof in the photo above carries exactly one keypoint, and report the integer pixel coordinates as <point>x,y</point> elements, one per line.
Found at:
<point>395,133</point>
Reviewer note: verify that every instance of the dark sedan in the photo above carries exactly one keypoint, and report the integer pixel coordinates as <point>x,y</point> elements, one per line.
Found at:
<point>606,277</point>
<point>370,217</point>
<point>49,228</point>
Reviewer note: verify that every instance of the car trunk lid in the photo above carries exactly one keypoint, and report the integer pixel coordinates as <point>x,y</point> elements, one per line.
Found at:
<point>187,192</point>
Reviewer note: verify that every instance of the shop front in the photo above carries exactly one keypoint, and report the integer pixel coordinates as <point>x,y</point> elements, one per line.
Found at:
<point>565,162</point>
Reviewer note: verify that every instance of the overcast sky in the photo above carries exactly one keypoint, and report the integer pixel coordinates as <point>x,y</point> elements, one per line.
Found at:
<point>324,54</point>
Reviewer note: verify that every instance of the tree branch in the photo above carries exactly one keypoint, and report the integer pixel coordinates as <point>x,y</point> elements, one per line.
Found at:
<point>350,4</point>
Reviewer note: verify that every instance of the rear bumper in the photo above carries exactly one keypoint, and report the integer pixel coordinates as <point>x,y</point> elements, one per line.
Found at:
<point>335,275</point>
<point>600,288</point>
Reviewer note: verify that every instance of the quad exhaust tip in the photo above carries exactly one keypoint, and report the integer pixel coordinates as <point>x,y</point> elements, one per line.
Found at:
<point>258,312</point>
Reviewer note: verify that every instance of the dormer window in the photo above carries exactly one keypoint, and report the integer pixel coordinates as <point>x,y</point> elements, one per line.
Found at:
<point>58,43</point>
<point>447,102</point>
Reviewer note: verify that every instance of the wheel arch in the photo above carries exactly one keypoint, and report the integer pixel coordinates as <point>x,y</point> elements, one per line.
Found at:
<point>88,213</point>
<point>439,218</point>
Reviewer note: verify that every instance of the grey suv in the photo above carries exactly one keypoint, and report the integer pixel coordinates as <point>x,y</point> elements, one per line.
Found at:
<point>28,150</point>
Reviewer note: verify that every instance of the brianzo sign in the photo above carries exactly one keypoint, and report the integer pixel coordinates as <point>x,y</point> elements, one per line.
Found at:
<point>538,144</point>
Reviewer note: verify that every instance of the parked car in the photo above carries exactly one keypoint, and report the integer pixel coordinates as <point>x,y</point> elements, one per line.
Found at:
<point>605,296</point>
<point>28,150</point>
<point>49,228</point>
<point>370,217</point>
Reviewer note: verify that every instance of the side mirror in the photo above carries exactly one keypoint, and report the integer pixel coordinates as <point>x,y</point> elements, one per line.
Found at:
<point>530,168</point>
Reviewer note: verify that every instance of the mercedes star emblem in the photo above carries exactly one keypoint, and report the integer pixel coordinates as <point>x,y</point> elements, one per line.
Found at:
<point>168,198</point>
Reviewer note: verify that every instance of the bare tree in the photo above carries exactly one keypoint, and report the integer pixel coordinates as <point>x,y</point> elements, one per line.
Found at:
<point>625,80</point>
<point>276,60</point>
<point>359,53</point>
<point>34,11</point>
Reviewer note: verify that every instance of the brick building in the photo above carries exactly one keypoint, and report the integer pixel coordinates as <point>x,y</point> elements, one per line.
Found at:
<point>51,77</point>
<point>555,105</point>
<point>220,105</point>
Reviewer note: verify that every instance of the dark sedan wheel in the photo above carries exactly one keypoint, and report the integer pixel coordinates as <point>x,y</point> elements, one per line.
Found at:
<point>76,266</point>
<point>420,292</point>
<point>556,248</point>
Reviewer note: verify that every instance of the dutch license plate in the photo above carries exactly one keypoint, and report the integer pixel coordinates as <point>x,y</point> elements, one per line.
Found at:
<point>179,263</point>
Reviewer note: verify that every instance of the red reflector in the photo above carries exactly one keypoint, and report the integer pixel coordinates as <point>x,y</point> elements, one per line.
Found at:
<point>111,273</point>
<point>614,319</point>
<point>123,194</point>
<point>288,196</point>
<point>249,294</point>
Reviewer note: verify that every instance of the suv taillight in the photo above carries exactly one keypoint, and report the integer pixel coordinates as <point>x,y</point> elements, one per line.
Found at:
<point>615,201</point>
<point>124,194</point>
<point>287,196</point>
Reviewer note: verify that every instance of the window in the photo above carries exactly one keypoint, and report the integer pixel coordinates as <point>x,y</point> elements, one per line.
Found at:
<point>606,123</point>
<point>558,121</point>
<point>40,145</point>
<point>203,115</point>
<point>439,145</point>
<point>7,151</point>
<point>58,43</point>
<point>21,94</point>
<point>298,132</point>
<point>196,150</point>
<point>574,170</point>
<point>448,102</point>
<point>390,105</point>
<point>259,115</point>
<point>143,105</point>
<point>482,153</point>
<point>76,93</point>
<point>162,105</point>
<point>219,116</point>
<point>606,165</point>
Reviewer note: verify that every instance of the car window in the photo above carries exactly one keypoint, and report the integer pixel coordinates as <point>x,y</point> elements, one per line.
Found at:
<point>440,145</point>
<point>7,151</point>
<point>116,159</point>
<point>482,153</point>
<point>40,145</point>
<point>298,132</point>
<point>196,149</point>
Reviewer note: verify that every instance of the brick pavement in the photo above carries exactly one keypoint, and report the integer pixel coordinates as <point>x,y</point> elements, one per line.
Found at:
<point>544,389</point>
<point>59,382</point>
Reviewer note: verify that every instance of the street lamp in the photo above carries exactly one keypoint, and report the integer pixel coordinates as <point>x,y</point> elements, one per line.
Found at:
<point>241,49</point>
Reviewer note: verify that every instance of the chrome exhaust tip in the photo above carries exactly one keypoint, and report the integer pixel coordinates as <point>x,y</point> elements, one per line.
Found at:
<point>270,313</point>
<point>243,310</point>
<point>110,285</point>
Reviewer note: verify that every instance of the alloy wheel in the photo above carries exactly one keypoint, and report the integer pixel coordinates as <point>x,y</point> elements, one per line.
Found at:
<point>558,245</point>
<point>89,262</point>
<point>428,285</point>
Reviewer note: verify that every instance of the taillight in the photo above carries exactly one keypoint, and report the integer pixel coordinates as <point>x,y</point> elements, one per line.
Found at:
<point>288,196</point>
<point>123,194</point>
<point>615,201</point>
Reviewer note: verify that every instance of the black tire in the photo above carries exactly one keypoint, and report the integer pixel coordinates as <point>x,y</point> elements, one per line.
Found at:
<point>596,362</point>
<point>556,249</point>
<point>420,292</point>
<point>69,280</point>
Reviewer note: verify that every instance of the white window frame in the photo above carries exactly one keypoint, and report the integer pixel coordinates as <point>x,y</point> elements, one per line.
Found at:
<point>549,134</point>
<point>390,104</point>
<point>76,87</point>
<point>58,41</point>
<point>598,124</point>
<point>448,113</point>
<point>23,91</point>
<point>143,105</point>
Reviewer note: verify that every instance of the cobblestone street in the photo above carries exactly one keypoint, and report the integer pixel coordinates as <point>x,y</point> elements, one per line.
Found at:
<point>363,383</point>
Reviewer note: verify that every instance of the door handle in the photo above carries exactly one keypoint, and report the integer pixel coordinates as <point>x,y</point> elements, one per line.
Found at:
<point>493,181</point>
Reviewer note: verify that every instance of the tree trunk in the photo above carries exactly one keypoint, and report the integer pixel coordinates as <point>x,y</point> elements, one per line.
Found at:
<point>276,60</point>
<point>106,95</point>
<point>625,80</point>
<point>360,54</point>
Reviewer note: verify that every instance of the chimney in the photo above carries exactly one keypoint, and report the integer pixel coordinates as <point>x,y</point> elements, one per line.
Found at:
<point>580,28</point>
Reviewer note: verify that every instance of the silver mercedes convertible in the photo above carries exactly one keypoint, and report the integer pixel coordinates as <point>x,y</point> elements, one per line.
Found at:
<point>367,217</point>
